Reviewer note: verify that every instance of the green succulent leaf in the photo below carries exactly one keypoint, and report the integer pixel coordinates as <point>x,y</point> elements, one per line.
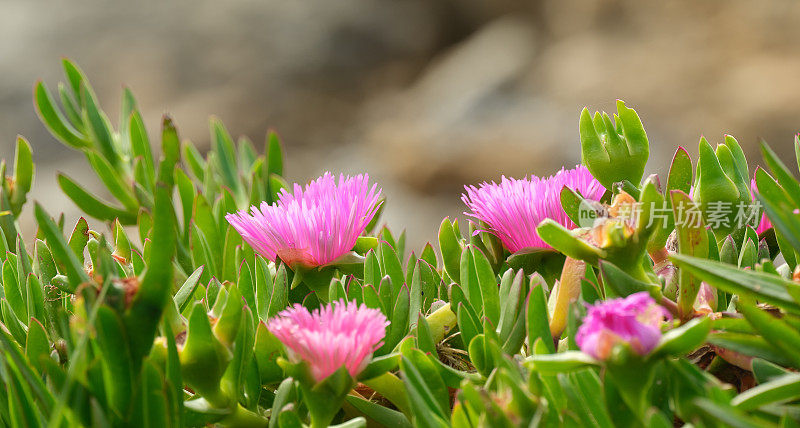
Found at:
<point>567,243</point>
<point>781,389</point>
<point>55,121</point>
<point>451,249</point>
<point>762,286</point>
<point>92,205</point>
<point>560,363</point>
<point>693,241</point>
<point>684,339</point>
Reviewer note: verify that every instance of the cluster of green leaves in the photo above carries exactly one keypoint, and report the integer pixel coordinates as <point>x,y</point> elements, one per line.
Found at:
<point>162,320</point>
<point>110,339</point>
<point>764,336</point>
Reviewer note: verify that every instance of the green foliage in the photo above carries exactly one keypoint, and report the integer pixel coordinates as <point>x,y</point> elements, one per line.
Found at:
<point>723,179</point>
<point>162,320</point>
<point>614,151</point>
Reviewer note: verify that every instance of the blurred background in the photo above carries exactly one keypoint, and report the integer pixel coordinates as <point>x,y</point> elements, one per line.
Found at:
<point>424,95</point>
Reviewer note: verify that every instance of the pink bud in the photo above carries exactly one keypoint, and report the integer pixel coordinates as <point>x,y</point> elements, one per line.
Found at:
<point>764,224</point>
<point>635,320</point>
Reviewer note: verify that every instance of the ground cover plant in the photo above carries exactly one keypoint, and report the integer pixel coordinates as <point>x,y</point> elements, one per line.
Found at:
<point>222,295</point>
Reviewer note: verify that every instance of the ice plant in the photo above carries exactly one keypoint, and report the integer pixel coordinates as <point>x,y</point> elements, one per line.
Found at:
<point>327,349</point>
<point>341,334</point>
<point>311,226</point>
<point>513,208</point>
<point>635,320</point>
<point>204,341</point>
<point>620,332</point>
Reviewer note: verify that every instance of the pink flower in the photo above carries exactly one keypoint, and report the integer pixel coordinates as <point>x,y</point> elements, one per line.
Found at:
<point>312,226</point>
<point>635,319</point>
<point>513,208</point>
<point>764,224</point>
<point>336,335</point>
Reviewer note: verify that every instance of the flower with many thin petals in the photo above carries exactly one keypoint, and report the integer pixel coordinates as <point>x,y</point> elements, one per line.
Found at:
<point>635,320</point>
<point>313,225</point>
<point>514,208</point>
<point>763,224</point>
<point>341,334</point>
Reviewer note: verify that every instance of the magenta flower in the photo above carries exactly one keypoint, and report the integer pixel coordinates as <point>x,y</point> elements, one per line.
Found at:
<point>764,224</point>
<point>337,335</point>
<point>312,226</point>
<point>635,319</point>
<point>513,208</point>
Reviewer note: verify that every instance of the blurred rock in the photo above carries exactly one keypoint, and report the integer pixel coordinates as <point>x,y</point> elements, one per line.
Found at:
<point>689,68</point>
<point>460,119</point>
<point>254,63</point>
<point>425,95</point>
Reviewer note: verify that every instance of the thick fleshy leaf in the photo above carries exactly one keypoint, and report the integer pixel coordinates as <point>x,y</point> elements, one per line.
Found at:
<point>488,286</point>
<point>561,362</point>
<point>764,371</point>
<point>113,181</point>
<point>92,205</point>
<point>399,322</point>
<point>748,345</point>
<point>143,315</point>
<point>765,287</point>
<point>784,388</point>
<point>783,337</point>
<point>425,388</point>
<point>680,177</point>
<point>63,254</point>
<point>692,241</point>
<point>266,352</point>
<point>513,303</point>
<point>684,339</point>
<point>564,241</point>
<point>37,344</point>
<point>451,249</point>
<point>112,340</point>
<point>380,414</point>
<point>779,208</point>
<point>32,379</point>
<point>23,174</point>
<point>618,282</point>
<point>724,414</point>
<point>99,127</point>
<point>538,322</point>
<point>55,121</point>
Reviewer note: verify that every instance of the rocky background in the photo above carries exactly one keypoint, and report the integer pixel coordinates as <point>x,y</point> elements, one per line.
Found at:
<point>425,95</point>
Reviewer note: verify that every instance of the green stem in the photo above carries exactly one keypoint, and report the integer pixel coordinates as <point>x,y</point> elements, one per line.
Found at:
<point>441,322</point>
<point>319,423</point>
<point>242,418</point>
<point>633,381</point>
<point>636,270</point>
<point>635,267</point>
<point>215,397</point>
<point>322,403</point>
<point>391,387</point>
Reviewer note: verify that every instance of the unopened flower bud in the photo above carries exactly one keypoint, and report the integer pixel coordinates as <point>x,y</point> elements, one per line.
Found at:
<point>635,320</point>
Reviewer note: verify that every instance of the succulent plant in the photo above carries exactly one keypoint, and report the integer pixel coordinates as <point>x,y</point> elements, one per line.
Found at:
<point>593,297</point>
